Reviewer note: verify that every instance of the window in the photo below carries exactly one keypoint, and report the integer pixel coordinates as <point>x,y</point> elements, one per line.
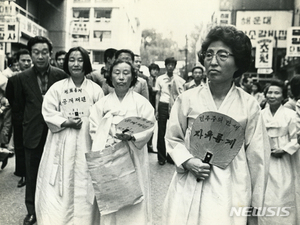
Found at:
<point>81,13</point>
<point>102,35</point>
<point>103,13</point>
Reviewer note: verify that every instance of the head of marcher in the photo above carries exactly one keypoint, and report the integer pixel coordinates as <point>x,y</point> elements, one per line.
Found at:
<point>77,62</point>
<point>24,59</point>
<point>197,73</point>
<point>275,94</point>
<point>226,54</point>
<point>60,58</point>
<point>170,64</point>
<point>40,49</point>
<point>122,76</point>
<point>125,55</point>
<point>109,57</point>
<point>137,61</point>
<point>154,69</point>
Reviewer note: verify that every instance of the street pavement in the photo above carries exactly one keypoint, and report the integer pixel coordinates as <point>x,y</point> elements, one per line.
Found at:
<point>12,206</point>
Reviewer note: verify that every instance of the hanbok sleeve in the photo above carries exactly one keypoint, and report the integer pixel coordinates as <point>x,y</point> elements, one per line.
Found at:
<point>175,134</point>
<point>292,146</point>
<point>146,111</point>
<point>258,155</point>
<point>96,114</point>
<point>51,109</point>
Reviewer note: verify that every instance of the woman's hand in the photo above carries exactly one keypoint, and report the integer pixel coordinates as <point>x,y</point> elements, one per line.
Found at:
<point>74,123</point>
<point>124,136</point>
<point>198,168</point>
<point>277,152</point>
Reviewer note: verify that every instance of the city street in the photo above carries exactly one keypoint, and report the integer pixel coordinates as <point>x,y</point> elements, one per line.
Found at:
<point>12,206</point>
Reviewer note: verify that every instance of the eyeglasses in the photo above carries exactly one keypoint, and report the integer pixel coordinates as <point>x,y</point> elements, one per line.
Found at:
<point>221,55</point>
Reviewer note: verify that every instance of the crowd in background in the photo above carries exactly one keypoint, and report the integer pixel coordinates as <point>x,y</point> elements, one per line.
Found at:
<point>50,145</point>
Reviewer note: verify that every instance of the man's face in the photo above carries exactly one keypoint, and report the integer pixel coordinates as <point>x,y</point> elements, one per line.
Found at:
<point>125,57</point>
<point>170,68</point>
<point>154,73</point>
<point>15,67</point>
<point>24,62</point>
<point>197,74</point>
<point>137,62</point>
<point>60,61</point>
<point>40,55</point>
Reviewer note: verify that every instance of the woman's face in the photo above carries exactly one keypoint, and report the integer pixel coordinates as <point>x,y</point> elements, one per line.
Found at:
<point>121,77</point>
<point>274,96</point>
<point>219,71</point>
<point>75,64</point>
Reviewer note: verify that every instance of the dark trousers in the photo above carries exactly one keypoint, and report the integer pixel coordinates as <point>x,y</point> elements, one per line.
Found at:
<point>32,159</point>
<point>19,150</point>
<point>163,116</point>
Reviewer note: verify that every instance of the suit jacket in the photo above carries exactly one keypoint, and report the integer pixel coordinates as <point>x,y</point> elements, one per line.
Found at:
<point>13,93</point>
<point>33,123</point>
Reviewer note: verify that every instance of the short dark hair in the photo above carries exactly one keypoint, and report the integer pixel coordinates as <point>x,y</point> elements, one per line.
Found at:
<point>59,53</point>
<point>295,86</point>
<point>39,39</point>
<point>11,60</point>
<point>198,67</point>
<point>109,53</point>
<point>170,60</point>
<point>87,66</point>
<point>153,66</point>
<point>277,83</point>
<point>22,51</point>
<point>118,53</point>
<point>237,40</point>
<point>133,73</point>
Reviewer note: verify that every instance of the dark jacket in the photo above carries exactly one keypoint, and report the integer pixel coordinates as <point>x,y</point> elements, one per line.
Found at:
<point>33,122</point>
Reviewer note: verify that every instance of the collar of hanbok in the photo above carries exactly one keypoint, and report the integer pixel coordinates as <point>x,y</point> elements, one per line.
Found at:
<point>71,83</point>
<point>112,116</point>
<point>274,124</point>
<point>226,104</point>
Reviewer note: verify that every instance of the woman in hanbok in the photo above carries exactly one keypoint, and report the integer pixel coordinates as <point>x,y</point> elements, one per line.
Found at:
<point>105,115</point>
<point>226,54</point>
<point>281,126</point>
<point>63,192</point>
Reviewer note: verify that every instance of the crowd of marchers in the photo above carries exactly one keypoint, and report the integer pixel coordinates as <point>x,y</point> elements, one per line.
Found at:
<point>61,121</point>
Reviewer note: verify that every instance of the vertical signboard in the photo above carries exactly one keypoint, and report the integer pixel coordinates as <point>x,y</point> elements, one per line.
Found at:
<point>293,42</point>
<point>264,53</point>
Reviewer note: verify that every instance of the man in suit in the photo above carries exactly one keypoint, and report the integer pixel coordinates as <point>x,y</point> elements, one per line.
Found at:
<point>34,84</point>
<point>13,89</point>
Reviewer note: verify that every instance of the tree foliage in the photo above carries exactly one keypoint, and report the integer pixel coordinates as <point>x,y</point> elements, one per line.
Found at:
<point>155,47</point>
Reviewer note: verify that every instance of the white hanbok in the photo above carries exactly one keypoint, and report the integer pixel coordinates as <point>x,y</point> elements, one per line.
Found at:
<point>280,192</point>
<point>104,117</point>
<point>296,163</point>
<point>63,179</point>
<point>241,184</point>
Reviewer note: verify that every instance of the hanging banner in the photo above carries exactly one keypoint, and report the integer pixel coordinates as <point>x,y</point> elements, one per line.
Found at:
<point>264,53</point>
<point>293,42</point>
<point>265,24</point>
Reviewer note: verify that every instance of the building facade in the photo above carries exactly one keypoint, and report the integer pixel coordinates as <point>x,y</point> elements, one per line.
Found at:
<point>93,24</point>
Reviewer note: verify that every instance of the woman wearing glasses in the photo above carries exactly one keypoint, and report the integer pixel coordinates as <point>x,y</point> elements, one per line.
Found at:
<point>226,55</point>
